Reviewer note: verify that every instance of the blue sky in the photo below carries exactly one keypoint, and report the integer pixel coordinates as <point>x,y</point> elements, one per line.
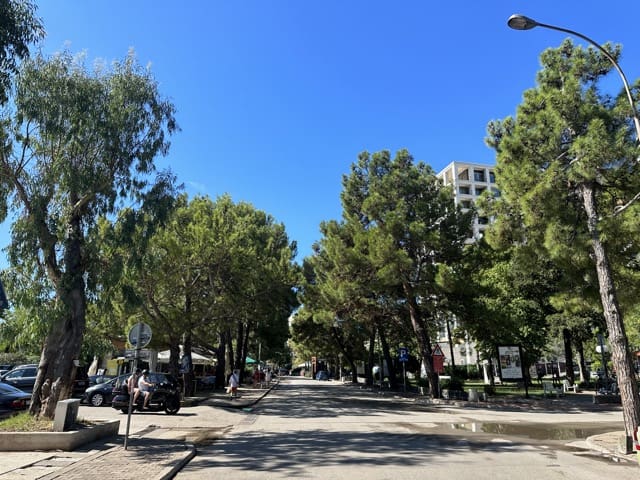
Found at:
<point>276,98</point>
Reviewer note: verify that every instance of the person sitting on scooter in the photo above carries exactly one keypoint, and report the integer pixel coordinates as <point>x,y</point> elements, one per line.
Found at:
<point>144,387</point>
<point>132,382</point>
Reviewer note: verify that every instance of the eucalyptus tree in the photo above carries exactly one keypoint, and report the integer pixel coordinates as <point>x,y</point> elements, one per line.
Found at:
<point>19,28</point>
<point>569,161</point>
<point>76,143</point>
<point>413,229</point>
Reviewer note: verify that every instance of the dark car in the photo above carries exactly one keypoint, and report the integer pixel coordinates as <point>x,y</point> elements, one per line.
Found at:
<point>96,379</point>
<point>5,367</point>
<point>101,393</point>
<point>80,382</point>
<point>22,377</point>
<point>12,399</point>
<point>322,375</point>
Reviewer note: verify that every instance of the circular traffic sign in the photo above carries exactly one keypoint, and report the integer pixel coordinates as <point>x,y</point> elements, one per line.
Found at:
<point>140,332</point>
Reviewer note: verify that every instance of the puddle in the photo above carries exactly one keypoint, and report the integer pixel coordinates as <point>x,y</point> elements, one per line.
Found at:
<point>537,431</point>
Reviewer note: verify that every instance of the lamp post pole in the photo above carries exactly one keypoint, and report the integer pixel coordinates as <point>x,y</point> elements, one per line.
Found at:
<point>520,22</point>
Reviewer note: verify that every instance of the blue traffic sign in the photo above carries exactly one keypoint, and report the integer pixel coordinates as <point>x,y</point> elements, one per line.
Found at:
<point>403,354</point>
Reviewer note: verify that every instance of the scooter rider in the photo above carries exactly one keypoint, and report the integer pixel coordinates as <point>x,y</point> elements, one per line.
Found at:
<point>144,388</point>
<point>132,383</point>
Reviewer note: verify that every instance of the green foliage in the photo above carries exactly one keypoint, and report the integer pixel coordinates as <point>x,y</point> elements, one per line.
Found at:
<point>205,267</point>
<point>568,171</point>
<point>399,242</point>
<point>19,28</point>
<point>453,383</point>
<point>77,144</point>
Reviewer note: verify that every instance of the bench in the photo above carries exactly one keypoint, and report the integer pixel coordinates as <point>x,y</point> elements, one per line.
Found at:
<point>566,386</point>
<point>548,389</point>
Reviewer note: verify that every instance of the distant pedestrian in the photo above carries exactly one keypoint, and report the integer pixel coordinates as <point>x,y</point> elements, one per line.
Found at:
<point>234,382</point>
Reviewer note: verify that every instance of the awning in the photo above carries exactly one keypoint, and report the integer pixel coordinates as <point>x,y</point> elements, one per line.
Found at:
<point>196,358</point>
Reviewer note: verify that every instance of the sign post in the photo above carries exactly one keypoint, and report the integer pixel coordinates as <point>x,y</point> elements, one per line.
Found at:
<point>403,356</point>
<point>139,337</point>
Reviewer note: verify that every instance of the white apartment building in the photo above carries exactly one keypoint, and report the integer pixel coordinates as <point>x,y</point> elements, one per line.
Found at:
<point>469,181</point>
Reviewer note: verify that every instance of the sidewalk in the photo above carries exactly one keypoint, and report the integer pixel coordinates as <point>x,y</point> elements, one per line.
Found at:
<point>150,455</point>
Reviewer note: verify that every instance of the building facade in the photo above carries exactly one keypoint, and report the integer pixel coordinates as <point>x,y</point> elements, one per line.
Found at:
<point>468,181</point>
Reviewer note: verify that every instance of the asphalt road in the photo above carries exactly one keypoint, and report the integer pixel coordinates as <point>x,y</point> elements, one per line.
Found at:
<point>325,430</point>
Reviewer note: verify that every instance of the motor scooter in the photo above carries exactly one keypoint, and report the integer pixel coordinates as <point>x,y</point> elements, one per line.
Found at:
<point>164,396</point>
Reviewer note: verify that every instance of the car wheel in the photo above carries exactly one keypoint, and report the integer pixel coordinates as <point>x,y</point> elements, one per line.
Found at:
<point>96,399</point>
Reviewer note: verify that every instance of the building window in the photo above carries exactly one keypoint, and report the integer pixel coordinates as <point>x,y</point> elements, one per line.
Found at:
<point>466,203</point>
<point>479,190</point>
<point>478,176</point>
<point>464,190</point>
<point>483,221</point>
<point>464,174</point>
<point>492,177</point>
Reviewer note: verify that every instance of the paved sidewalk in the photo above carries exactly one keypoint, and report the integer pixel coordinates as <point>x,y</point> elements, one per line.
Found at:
<point>149,456</point>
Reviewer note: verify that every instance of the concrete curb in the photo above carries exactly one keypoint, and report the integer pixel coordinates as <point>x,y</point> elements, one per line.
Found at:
<point>66,441</point>
<point>171,472</point>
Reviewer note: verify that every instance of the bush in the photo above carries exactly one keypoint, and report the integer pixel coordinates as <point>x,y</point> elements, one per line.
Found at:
<point>465,372</point>
<point>453,383</point>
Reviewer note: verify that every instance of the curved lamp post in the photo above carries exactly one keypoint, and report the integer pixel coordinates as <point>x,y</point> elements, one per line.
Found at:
<point>520,22</point>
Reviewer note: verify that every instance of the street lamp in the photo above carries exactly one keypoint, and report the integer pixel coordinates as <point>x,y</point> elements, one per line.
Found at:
<point>520,22</point>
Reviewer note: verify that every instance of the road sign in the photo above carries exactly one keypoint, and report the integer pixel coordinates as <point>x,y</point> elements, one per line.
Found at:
<point>437,351</point>
<point>140,331</point>
<point>403,354</point>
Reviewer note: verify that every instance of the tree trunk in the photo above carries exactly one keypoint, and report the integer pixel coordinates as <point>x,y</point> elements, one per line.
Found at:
<point>368,375</point>
<point>240,350</point>
<point>450,338</point>
<point>62,344</point>
<point>568,355</point>
<point>229,356</point>
<point>581,361</point>
<point>423,340</point>
<point>386,354</point>
<point>174,357</point>
<point>187,366</point>
<point>221,365</point>
<point>621,356</point>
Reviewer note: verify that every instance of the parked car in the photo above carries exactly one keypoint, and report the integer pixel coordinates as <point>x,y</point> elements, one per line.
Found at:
<point>4,368</point>
<point>101,393</point>
<point>80,382</point>
<point>22,377</point>
<point>322,375</point>
<point>12,399</point>
<point>96,379</point>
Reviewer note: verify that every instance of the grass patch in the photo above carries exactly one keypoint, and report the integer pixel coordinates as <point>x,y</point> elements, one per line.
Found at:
<point>23,422</point>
